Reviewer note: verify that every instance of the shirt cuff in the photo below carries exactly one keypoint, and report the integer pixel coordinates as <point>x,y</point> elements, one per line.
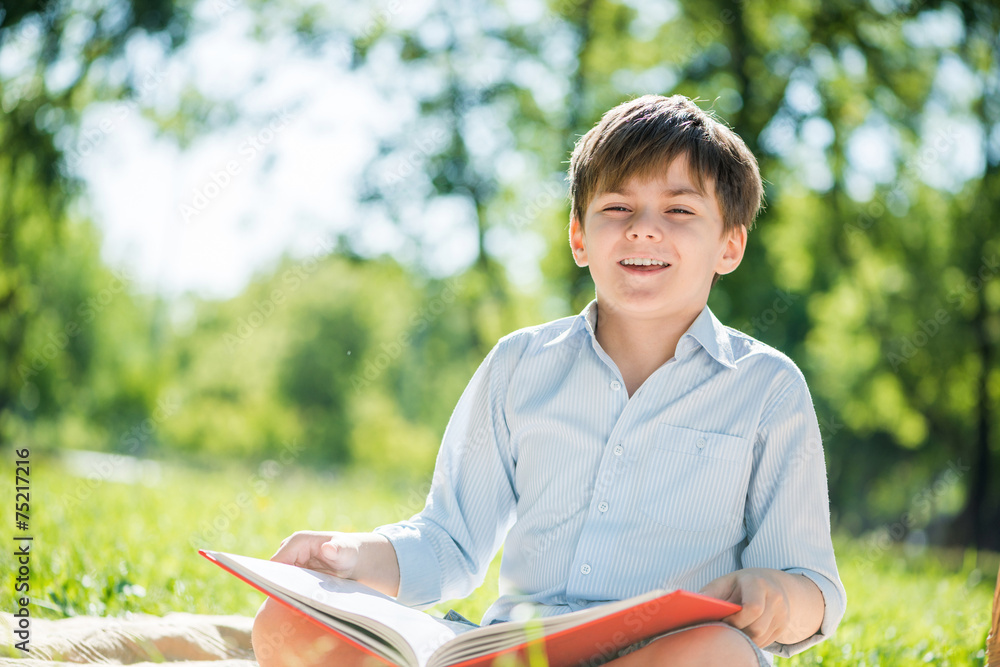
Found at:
<point>419,572</point>
<point>834,607</point>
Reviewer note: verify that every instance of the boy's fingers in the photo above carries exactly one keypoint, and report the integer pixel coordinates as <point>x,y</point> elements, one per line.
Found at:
<point>728,587</point>
<point>286,553</point>
<point>762,631</point>
<point>335,553</point>
<point>297,549</point>
<point>743,619</point>
<point>722,588</point>
<point>757,619</point>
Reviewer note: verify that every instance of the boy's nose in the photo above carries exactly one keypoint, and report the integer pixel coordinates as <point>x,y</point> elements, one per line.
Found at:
<point>643,228</point>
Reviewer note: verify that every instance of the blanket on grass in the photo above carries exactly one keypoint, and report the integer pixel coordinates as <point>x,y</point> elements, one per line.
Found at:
<point>138,639</point>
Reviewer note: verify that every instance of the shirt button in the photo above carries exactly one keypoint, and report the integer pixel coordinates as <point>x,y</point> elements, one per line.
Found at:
<point>701,442</point>
<point>618,450</point>
<point>616,385</point>
<point>585,569</point>
<point>603,507</point>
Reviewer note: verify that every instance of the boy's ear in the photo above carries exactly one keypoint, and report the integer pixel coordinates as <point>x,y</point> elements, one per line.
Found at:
<point>732,255</point>
<point>576,242</point>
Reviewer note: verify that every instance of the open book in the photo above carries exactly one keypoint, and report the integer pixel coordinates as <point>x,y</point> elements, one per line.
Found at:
<point>399,635</point>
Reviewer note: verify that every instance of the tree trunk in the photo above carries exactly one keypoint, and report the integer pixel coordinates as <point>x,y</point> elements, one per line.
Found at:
<point>972,514</point>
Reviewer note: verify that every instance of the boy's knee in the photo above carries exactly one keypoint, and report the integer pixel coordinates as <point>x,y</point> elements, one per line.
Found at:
<point>273,628</point>
<point>284,638</point>
<point>713,645</point>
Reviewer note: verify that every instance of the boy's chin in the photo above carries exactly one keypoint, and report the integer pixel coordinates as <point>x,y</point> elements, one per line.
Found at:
<point>643,308</point>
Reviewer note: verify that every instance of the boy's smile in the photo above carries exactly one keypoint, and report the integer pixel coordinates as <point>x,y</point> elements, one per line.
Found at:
<point>653,246</point>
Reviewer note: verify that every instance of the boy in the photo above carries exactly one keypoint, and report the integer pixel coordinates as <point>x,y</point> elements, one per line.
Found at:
<point>638,445</point>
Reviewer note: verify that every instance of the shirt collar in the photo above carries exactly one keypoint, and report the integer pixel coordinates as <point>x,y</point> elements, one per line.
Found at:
<point>709,332</point>
<point>706,331</point>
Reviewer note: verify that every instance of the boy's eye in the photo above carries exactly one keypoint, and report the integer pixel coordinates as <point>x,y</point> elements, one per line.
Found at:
<point>625,208</point>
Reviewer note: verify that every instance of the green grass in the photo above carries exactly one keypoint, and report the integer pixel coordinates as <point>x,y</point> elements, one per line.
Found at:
<point>107,548</point>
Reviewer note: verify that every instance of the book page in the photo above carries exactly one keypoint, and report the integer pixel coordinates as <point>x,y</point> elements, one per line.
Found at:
<point>414,634</point>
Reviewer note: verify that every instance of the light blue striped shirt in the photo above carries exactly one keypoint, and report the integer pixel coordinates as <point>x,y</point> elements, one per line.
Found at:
<point>714,464</point>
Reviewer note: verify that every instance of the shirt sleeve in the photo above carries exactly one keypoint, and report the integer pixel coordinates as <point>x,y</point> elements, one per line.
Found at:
<point>788,506</point>
<point>445,550</point>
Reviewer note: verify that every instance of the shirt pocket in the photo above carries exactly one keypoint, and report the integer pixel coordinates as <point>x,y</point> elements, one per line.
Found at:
<point>694,480</point>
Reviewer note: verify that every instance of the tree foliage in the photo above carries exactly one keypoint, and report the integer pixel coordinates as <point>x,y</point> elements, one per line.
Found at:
<point>56,300</point>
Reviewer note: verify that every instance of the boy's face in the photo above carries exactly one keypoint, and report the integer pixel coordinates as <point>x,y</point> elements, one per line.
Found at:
<point>666,219</point>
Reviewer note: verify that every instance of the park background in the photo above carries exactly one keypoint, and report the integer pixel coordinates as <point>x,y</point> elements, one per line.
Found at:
<point>251,252</point>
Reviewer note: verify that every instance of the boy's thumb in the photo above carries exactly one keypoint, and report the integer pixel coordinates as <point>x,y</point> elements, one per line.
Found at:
<point>331,552</point>
<point>341,556</point>
<point>721,588</point>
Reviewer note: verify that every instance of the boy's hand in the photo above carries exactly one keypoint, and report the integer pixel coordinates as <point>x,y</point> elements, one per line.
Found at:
<point>365,557</point>
<point>777,606</point>
<point>331,552</point>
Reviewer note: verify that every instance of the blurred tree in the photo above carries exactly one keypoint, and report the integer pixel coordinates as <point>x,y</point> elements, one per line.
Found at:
<point>458,175</point>
<point>339,361</point>
<point>57,57</point>
<point>904,328</point>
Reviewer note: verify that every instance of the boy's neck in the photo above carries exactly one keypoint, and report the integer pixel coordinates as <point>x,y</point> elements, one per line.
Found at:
<point>639,346</point>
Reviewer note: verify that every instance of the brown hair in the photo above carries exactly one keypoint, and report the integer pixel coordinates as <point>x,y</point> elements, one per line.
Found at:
<point>641,137</point>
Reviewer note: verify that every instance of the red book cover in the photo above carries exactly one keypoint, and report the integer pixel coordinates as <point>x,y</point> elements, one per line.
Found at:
<point>605,636</point>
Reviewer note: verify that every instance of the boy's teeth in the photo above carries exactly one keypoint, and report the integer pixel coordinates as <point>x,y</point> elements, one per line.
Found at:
<point>642,262</point>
